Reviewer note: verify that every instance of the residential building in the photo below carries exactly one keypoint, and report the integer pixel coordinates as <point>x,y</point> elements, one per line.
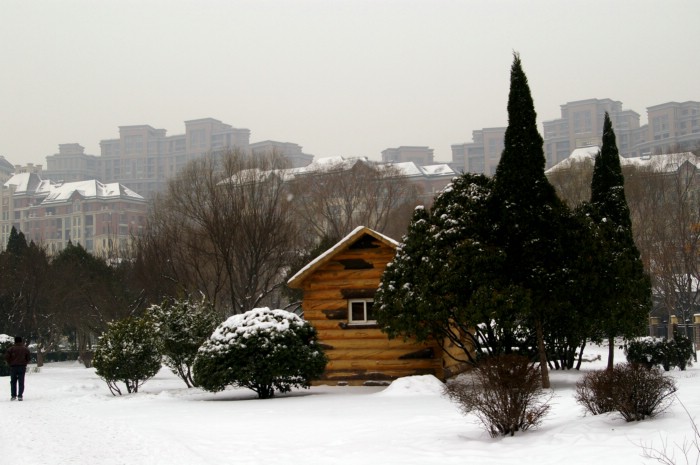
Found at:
<point>672,127</point>
<point>482,154</point>
<point>71,163</point>
<point>581,125</point>
<point>101,217</point>
<point>144,158</point>
<point>290,151</point>
<point>419,155</point>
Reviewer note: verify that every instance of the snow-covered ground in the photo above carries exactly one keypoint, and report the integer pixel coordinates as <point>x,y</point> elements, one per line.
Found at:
<point>70,417</point>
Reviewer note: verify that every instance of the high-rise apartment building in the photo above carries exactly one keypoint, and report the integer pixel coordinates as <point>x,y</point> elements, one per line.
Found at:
<point>419,155</point>
<point>482,154</point>
<point>672,127</point>
<point>143,158</point>
<point>581,125</point>
<point>295,157</point>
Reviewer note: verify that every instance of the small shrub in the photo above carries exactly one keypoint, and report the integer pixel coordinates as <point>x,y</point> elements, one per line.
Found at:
<point>595,392</point>
<point>263,350</point>
<point>505,394</point>
<point>128,352</point>
<point>632,390</point>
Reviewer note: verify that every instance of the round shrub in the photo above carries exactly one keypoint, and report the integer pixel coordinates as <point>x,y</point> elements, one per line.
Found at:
<point>263,350</point>
<point>128,352</point>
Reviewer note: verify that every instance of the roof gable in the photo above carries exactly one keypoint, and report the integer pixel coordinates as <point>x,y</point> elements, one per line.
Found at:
<point>356,237</point>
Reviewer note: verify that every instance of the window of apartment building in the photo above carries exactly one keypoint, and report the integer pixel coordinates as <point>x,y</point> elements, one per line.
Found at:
<point>582,122</point>
<point>361,311</point>
<point>133,144</point>
<point>197,138</point>
<point>217,140</point>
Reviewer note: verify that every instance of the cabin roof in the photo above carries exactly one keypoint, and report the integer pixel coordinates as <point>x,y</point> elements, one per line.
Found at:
<point>301,276</point>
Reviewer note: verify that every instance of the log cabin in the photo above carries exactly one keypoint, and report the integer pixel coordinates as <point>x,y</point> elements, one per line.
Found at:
<point>338,291</point>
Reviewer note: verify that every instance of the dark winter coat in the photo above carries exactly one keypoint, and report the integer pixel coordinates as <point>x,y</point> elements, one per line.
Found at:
<point>17,355</point>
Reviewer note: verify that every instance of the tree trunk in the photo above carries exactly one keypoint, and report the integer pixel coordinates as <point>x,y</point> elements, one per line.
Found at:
<point>580,356</point>
<point>543,356</point>
<point>611,352</point>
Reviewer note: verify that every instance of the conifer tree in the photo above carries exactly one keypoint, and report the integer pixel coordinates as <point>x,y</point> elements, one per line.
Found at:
<point>530,218</point>
<point>625,287</point>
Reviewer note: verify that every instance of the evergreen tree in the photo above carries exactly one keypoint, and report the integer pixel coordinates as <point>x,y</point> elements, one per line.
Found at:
<point>445,281</point>
<point>531,221</point>
<point>625,287</point>
<point>16,243</point>
<point>183,325</point>
<point>128,352</point>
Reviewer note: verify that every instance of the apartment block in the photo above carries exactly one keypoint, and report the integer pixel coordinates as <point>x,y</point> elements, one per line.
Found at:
<point>672,127</point>
<point>101,217</point>
<point>419,155</point>
<point>581,125</point>
<point>482,154</point>
<point>143,158</point>
<point>293,153</point>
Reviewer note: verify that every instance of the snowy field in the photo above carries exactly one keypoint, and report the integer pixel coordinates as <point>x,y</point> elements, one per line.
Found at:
<point>70,417</point>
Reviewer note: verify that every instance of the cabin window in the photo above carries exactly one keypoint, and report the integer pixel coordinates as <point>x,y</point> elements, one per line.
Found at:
<point>361,311</point>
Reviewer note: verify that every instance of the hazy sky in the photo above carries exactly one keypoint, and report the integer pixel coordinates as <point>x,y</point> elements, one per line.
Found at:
<point>336,77</point>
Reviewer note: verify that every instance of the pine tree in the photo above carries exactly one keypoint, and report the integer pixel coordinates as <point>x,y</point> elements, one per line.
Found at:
<point>625,287</point>
<point>531,220</point>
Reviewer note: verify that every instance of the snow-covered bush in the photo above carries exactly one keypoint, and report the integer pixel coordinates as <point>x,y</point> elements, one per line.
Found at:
<point>128,352</point>
<point>632,390</point>
<point>183,326</point>
<point>650,352</point>
<point>263,350</point>
<point>504,392</point>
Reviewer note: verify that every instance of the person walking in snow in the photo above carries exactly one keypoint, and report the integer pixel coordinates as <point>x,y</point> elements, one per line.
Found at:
<point>17,357</point>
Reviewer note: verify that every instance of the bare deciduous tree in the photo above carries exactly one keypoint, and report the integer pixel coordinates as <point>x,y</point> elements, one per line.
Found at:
<point>224,228</point>
<point>335,199</point>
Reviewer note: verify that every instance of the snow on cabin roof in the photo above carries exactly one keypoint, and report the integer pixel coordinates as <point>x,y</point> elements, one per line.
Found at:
<point>342,244</point>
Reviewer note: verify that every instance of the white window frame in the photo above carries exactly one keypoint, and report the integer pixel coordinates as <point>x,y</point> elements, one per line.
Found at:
<point>364,321</point>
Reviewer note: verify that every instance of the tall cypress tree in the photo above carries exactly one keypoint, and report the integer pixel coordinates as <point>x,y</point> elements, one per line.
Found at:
<point>530,217</point>
<point>625,287</point>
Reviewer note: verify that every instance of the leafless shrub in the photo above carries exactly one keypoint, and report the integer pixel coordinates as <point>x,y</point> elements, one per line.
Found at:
<point>633,391</point>
<point>504,393</point>
<point>595,392</point>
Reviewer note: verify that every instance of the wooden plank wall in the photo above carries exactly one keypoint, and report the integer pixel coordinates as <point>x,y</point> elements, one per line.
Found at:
<point>360,354</point>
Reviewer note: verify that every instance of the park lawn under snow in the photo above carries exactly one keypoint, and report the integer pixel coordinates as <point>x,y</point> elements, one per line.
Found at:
<point>70,417</point>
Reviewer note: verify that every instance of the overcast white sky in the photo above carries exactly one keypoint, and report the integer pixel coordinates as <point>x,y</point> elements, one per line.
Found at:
<point>336,77</point>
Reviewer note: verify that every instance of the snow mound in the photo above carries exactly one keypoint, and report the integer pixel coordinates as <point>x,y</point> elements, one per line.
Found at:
<point>414,386</point>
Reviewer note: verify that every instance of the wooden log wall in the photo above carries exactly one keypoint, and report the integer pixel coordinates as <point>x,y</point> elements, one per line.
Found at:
<point>360,354</point>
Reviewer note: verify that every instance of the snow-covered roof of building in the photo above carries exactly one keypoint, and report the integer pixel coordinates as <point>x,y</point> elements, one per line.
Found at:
<point>660,163</point>
<point>344,243</point>
<point>28,183</point>
<point>409,169</point>
<point>32,184</point>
